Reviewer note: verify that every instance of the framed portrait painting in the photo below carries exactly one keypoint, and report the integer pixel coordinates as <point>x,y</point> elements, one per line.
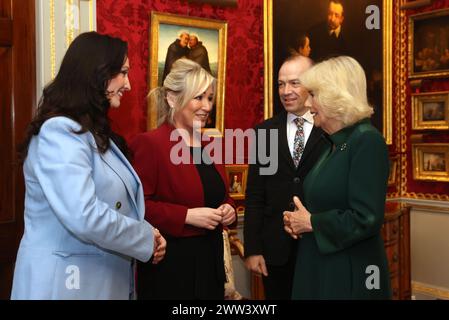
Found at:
<point>201,40</point>
<point>431,161</point>
<point>322,29</point>
<point>429,44</point>
<point>430,111</point>
<point>237,175</point>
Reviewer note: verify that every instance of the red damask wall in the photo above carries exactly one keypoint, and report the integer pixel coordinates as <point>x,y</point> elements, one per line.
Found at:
<point>428,85</point>
<point>130,21</point>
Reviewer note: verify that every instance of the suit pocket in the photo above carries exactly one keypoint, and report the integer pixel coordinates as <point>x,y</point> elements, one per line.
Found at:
<point>66,254</point>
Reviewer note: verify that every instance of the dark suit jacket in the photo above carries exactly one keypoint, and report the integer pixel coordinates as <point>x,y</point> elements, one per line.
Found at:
<point>323,45</point>
<point>169,189</point>
<point>267,197</point>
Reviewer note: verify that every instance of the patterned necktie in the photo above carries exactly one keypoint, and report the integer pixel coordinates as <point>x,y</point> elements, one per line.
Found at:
<point>298,144</point>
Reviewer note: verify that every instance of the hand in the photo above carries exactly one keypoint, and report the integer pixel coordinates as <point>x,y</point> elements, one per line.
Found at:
<point>256,264</point>
<point>207,218</point>
<point>160,244</point>
<point>228,214</point>
<point>298,221</point>
<point>288,228</point>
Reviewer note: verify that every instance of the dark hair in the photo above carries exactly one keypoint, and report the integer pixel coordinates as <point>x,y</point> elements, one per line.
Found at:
<point>79,90</point>
<point>300,42</point>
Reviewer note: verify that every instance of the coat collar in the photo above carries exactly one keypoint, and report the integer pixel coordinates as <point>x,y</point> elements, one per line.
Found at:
<point>341,136</point>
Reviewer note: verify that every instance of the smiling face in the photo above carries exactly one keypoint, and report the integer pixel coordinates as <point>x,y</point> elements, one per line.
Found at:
<point>197,109</point>
<point>320,119</point>
<point>292,94</point>
<point>117,85</point>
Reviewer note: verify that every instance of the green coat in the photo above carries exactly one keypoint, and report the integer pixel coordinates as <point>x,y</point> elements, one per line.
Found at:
<point>345,193</point>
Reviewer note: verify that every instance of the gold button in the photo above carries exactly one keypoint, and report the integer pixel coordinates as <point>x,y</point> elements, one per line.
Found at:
<point>118,205</point>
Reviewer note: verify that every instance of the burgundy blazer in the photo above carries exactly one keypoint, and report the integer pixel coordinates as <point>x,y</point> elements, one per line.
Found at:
<point>169,189</point>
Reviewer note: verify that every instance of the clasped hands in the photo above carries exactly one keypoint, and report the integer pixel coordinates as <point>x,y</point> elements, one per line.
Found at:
<point>160,244</point>
<point>210,218</point>
<point>297,222</point>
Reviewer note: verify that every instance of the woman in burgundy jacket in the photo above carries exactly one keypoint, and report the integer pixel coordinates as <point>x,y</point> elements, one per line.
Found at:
<point>186,200</point>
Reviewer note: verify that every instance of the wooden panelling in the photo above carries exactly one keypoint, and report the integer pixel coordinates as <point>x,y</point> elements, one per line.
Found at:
<point>17,103</point>
<point>6,159</point>
<point>5,31</point>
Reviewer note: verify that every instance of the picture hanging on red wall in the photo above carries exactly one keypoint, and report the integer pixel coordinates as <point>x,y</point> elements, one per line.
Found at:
<point>201,40</point>
<point>430,111</point>
<point>429,44</point>
<point>237,176</point>
<point>431,161</point>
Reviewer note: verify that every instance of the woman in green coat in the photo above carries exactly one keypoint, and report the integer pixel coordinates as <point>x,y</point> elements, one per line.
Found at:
<point>341,252</point>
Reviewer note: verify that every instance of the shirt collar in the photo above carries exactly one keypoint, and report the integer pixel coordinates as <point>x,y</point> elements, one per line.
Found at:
<point>337,31</point>
<point>307,116</point>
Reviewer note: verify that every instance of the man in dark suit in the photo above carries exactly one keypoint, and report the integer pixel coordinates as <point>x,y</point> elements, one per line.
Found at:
<point>269,250</point>
<point>327,38</point>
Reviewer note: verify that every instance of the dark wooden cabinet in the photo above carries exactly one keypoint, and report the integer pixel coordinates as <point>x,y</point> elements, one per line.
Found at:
<point>396,234</point>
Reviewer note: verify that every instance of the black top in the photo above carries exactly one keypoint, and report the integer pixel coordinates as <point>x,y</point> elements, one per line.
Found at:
<point>213,186</point>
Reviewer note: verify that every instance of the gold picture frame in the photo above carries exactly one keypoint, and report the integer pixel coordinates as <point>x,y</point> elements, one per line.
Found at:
<point>427,59</point>
<point>164,30</point>
<point>431,161</point>
<point>386,67</point>
<point>237,178</point>
<point>430,111</point>
<point>394,165</point>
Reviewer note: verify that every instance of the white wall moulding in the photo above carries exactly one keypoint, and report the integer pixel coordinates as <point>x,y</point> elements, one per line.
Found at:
<point>58,23</point>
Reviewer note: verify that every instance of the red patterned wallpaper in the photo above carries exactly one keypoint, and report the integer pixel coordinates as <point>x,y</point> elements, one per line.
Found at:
<point>130,21</point>
<point>428,85</point>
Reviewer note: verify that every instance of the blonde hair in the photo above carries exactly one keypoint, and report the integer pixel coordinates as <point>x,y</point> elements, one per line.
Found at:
<point>339,86</point>
<point>186,80</point>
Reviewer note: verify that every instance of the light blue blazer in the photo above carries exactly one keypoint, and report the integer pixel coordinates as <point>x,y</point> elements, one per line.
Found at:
<point>84,219</point>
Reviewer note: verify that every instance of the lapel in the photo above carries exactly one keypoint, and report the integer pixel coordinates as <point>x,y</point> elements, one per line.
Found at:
<point>314,137</point>
<point>283,142</point>
<point>115,159</point>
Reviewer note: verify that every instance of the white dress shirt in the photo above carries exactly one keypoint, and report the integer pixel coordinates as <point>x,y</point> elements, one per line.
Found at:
<point>291,128</point>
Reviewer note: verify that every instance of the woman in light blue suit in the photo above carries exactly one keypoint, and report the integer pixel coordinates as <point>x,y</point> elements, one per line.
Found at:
<point>84,206</point>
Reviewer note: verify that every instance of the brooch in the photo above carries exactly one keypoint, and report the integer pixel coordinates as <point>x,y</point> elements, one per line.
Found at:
<point>343,147</point>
